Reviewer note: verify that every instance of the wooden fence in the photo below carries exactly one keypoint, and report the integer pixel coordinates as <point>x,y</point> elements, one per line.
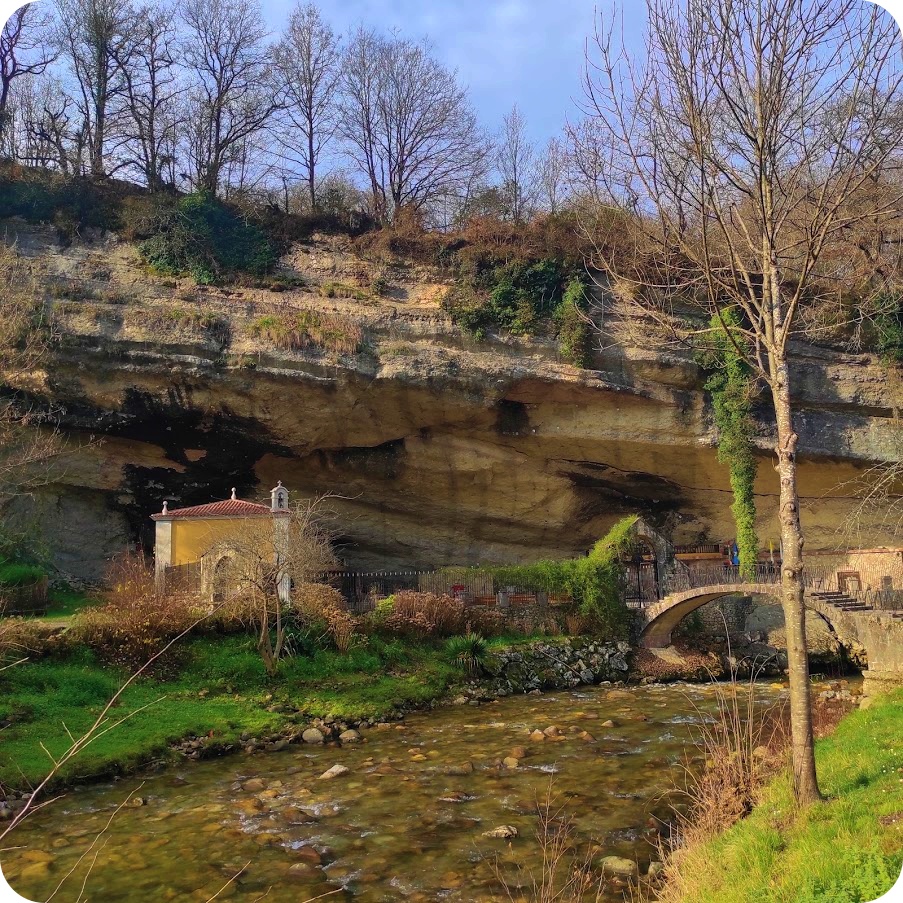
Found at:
<point>24,600</point>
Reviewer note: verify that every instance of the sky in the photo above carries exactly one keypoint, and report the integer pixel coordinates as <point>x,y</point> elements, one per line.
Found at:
<point>528,52</point>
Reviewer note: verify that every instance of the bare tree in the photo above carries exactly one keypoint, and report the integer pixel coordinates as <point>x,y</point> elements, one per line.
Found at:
<point>96,37</point>
<point>406,122</point>
<point>739,149</point>
<point>24,50</point>
<point>308,62</point>
<point>551,181</point>
<point>515,158</point>
<point>47,129</point>
<point>260,561</point>
<point>232,97</point>
<point>151,90</point>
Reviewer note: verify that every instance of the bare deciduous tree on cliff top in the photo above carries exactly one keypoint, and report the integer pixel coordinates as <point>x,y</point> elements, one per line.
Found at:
<point>308,66</point>
<point>741,150</point>
<point>231,96</point>
<point>24,51</point>
<point>406,122</point>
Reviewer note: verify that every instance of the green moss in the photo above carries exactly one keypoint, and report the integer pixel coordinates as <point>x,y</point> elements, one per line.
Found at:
<point>845,850</point>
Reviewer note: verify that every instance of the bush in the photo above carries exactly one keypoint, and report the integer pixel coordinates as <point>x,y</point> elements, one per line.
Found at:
<point>519,297</point>
<point>574,338</point>
<point>890,334</point>
<point>17,574</point>
<point>468,652</point>
<point>321,608</point>
<point>208,240</point>
<point>421,616</point>
<point>68,202</point>
<point>24,638</point>
<point>135,622</point>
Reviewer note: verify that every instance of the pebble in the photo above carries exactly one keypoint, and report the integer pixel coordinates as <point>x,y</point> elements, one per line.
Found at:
<point>350,736</point>
<point>335,772</point>
<point>312,735</point>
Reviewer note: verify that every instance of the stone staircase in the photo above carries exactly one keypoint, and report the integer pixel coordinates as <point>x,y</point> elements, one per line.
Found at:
<point>843,602</point>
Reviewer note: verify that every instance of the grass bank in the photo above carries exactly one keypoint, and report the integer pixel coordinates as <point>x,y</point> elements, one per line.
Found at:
<point>219,689</point>
<point>848,849</point>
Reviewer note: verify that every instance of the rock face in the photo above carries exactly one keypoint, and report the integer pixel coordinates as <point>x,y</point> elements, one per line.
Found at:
<point>444,450</point>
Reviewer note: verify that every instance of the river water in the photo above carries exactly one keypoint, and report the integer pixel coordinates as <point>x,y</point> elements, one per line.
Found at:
<point>407,822</point>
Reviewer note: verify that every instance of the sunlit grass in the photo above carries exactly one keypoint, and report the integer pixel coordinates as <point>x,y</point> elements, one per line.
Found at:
<point>848,849</point>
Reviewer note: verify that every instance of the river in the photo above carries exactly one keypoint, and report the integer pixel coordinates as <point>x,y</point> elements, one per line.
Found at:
<point>406,822</point>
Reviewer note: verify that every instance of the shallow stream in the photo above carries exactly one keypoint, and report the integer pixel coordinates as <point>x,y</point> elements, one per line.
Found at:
<point>407,822</point>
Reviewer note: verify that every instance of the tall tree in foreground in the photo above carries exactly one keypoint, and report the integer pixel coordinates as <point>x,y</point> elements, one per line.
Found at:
<point>741,149</point>
<point>308,65</point>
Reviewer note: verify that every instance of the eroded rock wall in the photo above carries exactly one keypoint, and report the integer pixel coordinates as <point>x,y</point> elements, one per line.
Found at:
<point>439,449</point>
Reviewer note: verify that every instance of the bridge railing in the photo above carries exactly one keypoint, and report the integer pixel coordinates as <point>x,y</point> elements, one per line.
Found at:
<point>815,579</point>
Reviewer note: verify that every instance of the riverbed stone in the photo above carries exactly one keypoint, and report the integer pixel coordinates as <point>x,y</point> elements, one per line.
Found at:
<point>301,871</point>
<point>336,771</point>
<point>350,736</point>
<point>518,752</point>
<point>618,866</point>
<point>510,762</point>
<point>312,735</point>
<point>504,832</point>
<point>309,855</point>
<point>254,785</point>
<point>537,736</point>
<point>35,870</point>
<point>462,769</point>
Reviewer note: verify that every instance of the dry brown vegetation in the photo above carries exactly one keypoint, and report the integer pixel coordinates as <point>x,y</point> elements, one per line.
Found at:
<point>135,621</point>
<point>310,329</point>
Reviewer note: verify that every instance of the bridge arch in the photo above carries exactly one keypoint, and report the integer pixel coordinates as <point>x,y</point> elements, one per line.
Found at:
<point>663,617</point>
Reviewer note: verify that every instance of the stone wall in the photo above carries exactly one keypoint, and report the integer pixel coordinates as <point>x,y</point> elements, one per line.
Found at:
<point>752,618</point>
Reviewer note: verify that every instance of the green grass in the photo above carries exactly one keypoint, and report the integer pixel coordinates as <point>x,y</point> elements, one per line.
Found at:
<point>43,699</point>
<point>839,851</point>
<point>66,602</point>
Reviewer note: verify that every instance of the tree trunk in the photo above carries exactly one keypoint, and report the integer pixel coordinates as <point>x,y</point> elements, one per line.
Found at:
<point>805,783</point>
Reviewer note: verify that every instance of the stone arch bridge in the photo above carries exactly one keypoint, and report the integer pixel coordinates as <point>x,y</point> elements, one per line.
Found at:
<point>867,619</point>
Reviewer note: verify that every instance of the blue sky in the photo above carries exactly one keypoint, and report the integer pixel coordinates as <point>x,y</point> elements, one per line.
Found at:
<point>528,52</point>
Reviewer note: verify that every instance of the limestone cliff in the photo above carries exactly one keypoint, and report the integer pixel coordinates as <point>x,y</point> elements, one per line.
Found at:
<point>443,449</point>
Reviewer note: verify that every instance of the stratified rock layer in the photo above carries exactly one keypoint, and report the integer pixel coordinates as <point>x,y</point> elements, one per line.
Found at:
<point>440,449</point>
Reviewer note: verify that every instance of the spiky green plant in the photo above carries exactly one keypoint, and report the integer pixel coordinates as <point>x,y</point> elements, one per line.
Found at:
<point>468,652</point>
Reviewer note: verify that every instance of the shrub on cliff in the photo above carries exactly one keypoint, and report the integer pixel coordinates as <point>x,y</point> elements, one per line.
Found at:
<point>208,240</point>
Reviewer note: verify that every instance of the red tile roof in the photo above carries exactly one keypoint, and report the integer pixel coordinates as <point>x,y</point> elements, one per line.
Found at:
<point>227,508</point>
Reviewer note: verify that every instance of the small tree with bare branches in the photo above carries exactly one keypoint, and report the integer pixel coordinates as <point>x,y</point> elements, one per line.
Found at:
<point>260,561</point>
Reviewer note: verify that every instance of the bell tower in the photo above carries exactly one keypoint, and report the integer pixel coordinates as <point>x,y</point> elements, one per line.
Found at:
<point>279,498</point>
